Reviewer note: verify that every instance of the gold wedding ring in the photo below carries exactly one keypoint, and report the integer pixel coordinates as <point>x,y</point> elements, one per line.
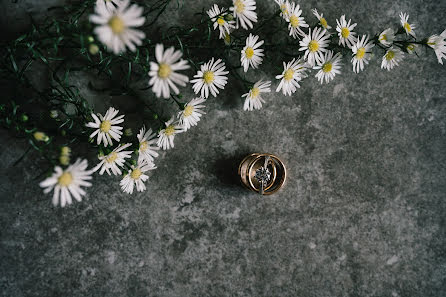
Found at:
<point>262,173</point>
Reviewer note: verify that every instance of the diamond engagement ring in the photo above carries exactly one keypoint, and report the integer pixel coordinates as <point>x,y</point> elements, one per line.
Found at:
<point>262,173</point>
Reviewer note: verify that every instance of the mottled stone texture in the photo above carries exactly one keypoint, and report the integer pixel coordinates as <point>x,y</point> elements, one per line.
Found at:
<point>362,213</point>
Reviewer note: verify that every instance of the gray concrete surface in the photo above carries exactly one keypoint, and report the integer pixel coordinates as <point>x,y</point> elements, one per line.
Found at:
<point>362,213</point>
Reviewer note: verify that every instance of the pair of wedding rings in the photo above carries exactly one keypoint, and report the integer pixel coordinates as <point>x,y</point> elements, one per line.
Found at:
<point>262,173</point>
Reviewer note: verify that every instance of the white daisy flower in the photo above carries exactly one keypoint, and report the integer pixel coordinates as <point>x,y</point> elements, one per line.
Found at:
<point>413,48</point>
<point>147,145</point>
<point>392,58</point>
<point>361,53</point>
<point>163,75</point>
<point>315,45</point>
<point>136,176</point>
<point>322,20</point>
<point>386,37</point>
<point>329,67</point>
<point>244,12</point>
<point>217,16</point>
<point>438,43</point>
<point>404,19</point>
<point>254,98</point>
<point>346,36</point>
<point>167,135</point>
<point>106,126</point>
<point>116,25</point>
<point>293,72</point>
<point>295,20</point>
<point>251,53</point>
<point>68,182</point>
<point>191,113</point>
<point>113,160</point>
<point>210,77</point>
<point>284,6</point>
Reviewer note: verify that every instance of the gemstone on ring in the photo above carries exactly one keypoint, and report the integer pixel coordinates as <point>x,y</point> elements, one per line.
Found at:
<point>263,175</point>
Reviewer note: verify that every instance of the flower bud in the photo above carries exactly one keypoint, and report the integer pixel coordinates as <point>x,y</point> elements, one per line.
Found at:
<point>40,136</point>
<point>128,132</point>
<point>54,114</point>
<point>93,49</point>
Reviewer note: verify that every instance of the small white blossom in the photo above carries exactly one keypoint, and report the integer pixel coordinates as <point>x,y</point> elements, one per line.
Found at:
<point>218,17</point>
<point>345,32</point>
<point>147,145</point>
<point>293,72</point>
<point>251,54</point>
<point>329,67</point>
<point>163,75</point>
<point>210,78</point>
<point>438,43</point>
<point>106,126</point>
<point>113,160</point>
<point>322,20</point>
<point>68,182</point>
<point>254,98</point>
<point>244,12</point>
<point>386,37</point>
<point>116,25</point>
<point>361,53</point>
<point>392,58</point>
<point>136,177</point>
<point>191,114</point>
<point>409,28</point>
<point>167,135</point>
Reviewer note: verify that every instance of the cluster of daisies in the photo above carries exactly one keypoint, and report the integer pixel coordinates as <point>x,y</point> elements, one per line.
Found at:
<point>316,43</point>
<point>117,23</point>
<point>133,164</point>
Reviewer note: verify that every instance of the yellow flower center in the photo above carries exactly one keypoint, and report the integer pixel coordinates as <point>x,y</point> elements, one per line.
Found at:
<point>249,52</point>
<point>208,77</point>
<point>116,24</point>
<point>188,110</point>
<point>360,53</point>
<point>65,179</point>
<point>221,21</point>
<point>345,32</point>
<point>390,55</point>
<point>136,173</point>
<point>383,37</point>
<point>323,22</point>
<point>239,6</point>
<point>294,21</point>
<point>112,157</point>
<point>105,126</point>
<point>288,74</point>
<point>313,46</point>
<point>143,146</point>
<point>407,27</point>
<point>255,92</point>
<point>164,71</point>
<point>170,130</point>
<point>327,67</point>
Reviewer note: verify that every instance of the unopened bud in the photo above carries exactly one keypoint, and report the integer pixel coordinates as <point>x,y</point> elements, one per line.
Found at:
<point>93,49</point>
<point>40,136</point>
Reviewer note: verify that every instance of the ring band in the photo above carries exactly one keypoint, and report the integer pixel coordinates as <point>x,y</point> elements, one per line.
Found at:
<point>262,173</point>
